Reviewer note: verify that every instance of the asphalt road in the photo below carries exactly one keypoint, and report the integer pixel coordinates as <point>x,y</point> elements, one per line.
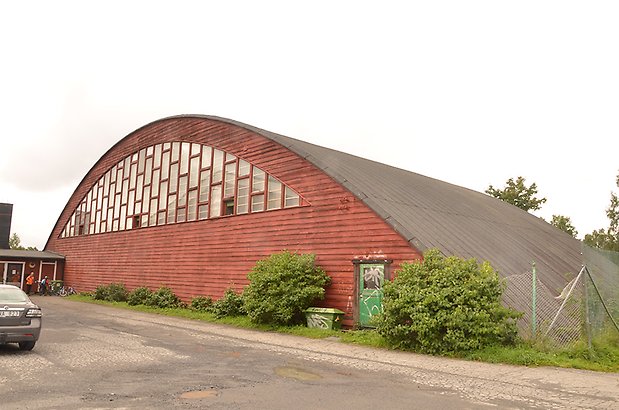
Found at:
<point>95,357</point>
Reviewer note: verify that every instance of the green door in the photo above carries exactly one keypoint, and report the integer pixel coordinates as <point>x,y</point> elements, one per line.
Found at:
<point>371,279</point>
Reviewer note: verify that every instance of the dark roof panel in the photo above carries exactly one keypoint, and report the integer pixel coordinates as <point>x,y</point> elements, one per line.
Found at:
<point>8,254</point>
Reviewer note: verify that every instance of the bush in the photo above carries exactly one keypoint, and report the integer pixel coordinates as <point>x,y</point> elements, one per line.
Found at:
<point>165,298</point>
<point>445,305</point>
<point>140,296</point>
<point>114,292</point>
<point>231,304</point>
<point>202,303</point>
<point>282,286</point>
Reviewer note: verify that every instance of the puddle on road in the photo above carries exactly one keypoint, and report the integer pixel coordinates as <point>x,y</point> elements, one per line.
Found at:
<point>296,373</point>
<point>199,394</point>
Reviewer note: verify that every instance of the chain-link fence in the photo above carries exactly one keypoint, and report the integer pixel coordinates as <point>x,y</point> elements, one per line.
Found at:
<point>601,299</point>
<point>586,308</point>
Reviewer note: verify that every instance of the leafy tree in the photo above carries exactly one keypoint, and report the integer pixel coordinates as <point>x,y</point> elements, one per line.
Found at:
<point>607,239</point>
<point>282,286</point>
<point>15,243</point>
<point>517,193</point>
<point>444,305</point>
<point>564,223</point>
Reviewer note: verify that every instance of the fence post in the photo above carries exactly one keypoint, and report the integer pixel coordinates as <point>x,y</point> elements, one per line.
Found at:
<point>587,314</point>
<point>534,302</point>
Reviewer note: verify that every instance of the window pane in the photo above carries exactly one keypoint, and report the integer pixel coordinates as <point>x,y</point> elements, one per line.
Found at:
<point>184,166</point>
<point>229,206</point>
<point>193,172</point>
<point>157,156</point>
<point>113,174</point>
<point>153,212</point>
<point>133,176</point>
<point>229,179</point>
<point>215,201</point>
<point>192,205</point>
<point>176,146</point>
<point>119,180</point>
<point>141,161</point>
<point>195,149</point>
<point>148,171</point>
<point>292,199</point>
<point>117,206</point>
<point>123,218</point>
<point>218,165</point>
<point>161,218</point>
<point>229,157</point>
<point>130,202</point>
<point>257,203</point>
<point>242,196</point>
<point>173,177</point>
<point>163,195</point>
<point>139,186</point>
<point>204,185</point>
<point>125,191</point>
<point>182,191</point>
<point>206,156</point>
<point>243,168</point>
<point>180,215</point>
<point>257,184</point>
<point>274,200</point>
<point>146,200</point>
<point>165,165</point>
<point>155,184</point>
<point>203,211</point>
<point>172,209</point>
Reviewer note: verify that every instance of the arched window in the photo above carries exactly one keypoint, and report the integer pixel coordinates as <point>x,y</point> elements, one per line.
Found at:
<point>176,182</point>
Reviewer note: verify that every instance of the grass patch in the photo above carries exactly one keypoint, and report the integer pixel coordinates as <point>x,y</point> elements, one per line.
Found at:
<point>603,357</point>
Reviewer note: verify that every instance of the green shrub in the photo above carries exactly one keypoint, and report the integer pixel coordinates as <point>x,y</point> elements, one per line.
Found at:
<point>140,296</point>
<point>231,304</point>
<point>282,286</point>
<point>165,298</point>
<point>202,303</point>
<point>114,292</point>
<point>445,305</point>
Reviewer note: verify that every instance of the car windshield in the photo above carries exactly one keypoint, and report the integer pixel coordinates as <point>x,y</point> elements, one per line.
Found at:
<point>8,295</point>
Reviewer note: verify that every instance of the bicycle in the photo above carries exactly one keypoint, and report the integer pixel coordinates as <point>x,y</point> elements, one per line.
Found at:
<point>66,291</point>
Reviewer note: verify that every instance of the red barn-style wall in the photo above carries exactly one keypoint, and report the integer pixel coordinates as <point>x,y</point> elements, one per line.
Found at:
<point>205,257</point>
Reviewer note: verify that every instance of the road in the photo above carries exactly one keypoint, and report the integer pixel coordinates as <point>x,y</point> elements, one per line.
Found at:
<point>99,357</point>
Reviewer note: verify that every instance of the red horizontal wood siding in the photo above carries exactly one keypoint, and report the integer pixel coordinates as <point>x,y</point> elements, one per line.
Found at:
<point>206,257</point>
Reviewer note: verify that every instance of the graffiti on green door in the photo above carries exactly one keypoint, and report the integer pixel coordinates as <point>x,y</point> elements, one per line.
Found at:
<point>371,279</point>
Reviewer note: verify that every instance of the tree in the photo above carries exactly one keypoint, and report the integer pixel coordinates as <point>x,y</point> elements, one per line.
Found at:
<point>15,243</point>
<point>607,239</point>
<point>282,286</point>
<point>564,223</point>
<point>443,305</point>
<point>518,194</point>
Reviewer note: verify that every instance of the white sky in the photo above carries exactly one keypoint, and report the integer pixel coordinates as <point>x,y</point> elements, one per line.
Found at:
<point>469,92</point>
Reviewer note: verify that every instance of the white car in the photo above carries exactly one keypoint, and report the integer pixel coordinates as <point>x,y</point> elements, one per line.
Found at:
<point>20,319</point>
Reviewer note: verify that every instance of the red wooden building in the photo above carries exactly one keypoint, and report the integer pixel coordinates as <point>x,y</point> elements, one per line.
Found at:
<point>192,202</point>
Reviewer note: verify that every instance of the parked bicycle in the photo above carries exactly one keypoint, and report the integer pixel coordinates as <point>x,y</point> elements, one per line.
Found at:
<point>66,291</point>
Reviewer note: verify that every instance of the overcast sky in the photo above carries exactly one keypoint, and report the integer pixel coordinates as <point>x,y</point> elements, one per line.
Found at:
<point>469,92</point>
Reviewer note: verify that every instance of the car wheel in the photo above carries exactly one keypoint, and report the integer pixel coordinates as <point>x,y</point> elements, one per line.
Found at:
<point>26,345</point>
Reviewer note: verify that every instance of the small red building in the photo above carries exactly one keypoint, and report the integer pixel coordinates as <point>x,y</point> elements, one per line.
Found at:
<point>192,202</point>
